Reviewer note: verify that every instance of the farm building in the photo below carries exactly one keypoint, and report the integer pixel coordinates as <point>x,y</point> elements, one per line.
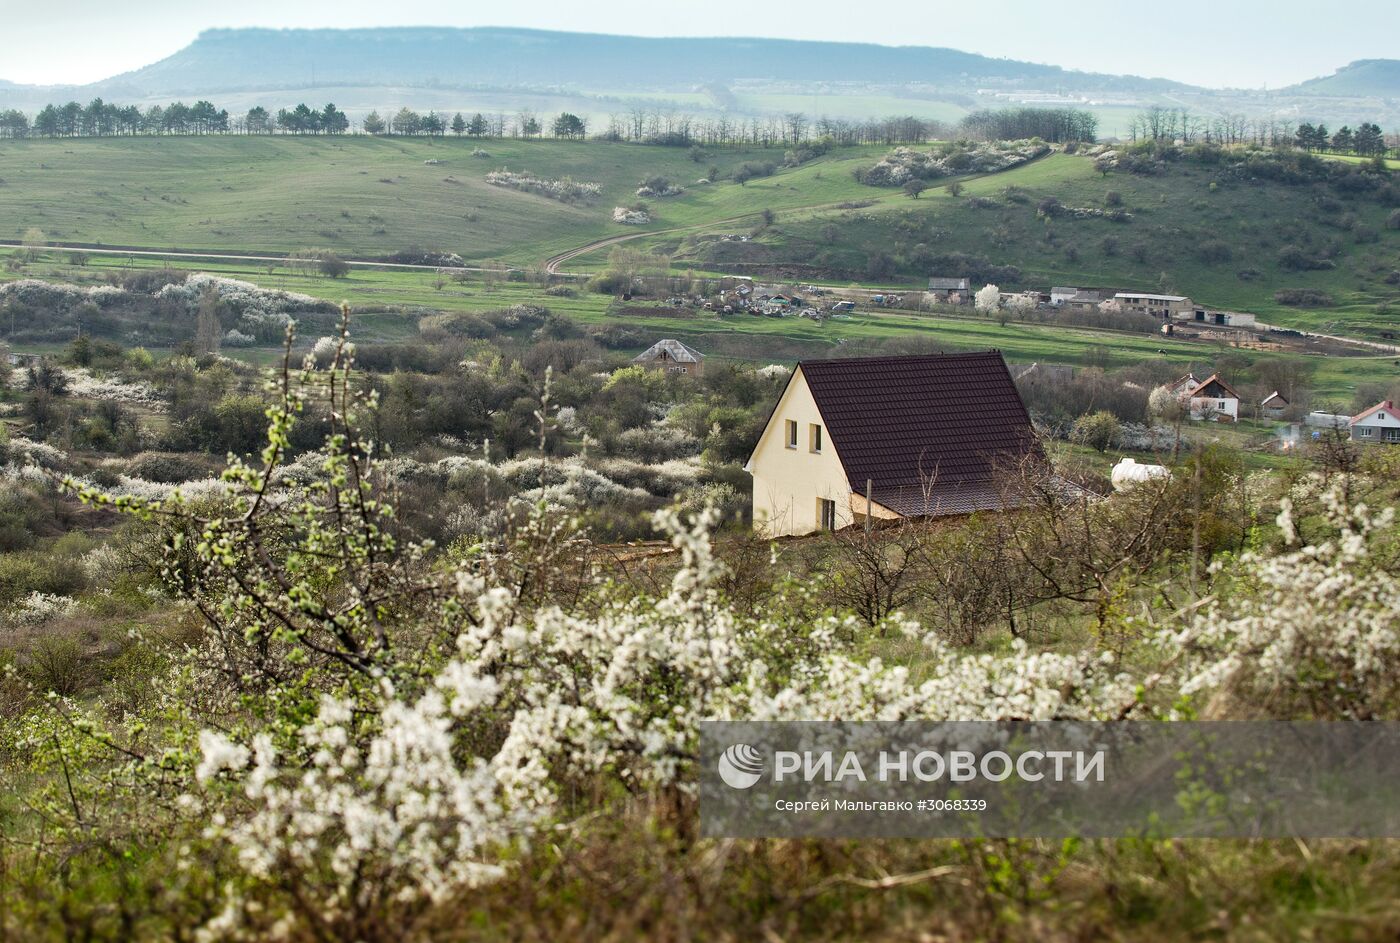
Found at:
<point>1380,423</point>
<point>1217,318</point>
<point>1083,300</point>
<point>955,291</point>
<point>1059,296</point>
<point>924,436</point>
<point>1159,306</point>
<point>673,357</point>
<point>1274,406</point>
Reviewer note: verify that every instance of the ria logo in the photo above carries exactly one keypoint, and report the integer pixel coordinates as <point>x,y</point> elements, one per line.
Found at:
<point>741,766</point>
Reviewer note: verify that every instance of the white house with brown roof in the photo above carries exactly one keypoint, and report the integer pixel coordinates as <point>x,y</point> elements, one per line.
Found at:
<point>1211,398</point>
<point>1214,399</point>
<point>923,436</point>
<point>673,357</point>
<point>1380,423</point>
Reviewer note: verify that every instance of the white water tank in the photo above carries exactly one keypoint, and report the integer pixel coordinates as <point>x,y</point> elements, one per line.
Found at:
<point>1128,473</point>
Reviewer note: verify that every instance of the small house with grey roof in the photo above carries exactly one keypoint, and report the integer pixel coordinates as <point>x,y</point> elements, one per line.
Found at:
<point>673,357</point>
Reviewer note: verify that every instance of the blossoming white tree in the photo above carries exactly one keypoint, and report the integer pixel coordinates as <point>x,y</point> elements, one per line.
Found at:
<point>987,299</point>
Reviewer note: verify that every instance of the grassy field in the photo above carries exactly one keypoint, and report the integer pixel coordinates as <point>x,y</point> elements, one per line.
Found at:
<point>386,301</point>
<point>370,196</point>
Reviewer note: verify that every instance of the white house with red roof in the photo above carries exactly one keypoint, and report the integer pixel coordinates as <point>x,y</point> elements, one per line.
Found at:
<point>1380,423</point>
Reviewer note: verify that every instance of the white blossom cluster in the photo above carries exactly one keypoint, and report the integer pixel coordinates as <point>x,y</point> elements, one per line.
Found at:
<point>1144,438</point>
<point>82,383</point>
<point>390,801</point>
<point>396,813</point>
<point>39,608</point>
<point>630,217</point>
<point>670,189</point>
<point>566,189</point>
<point>264,312</point>
<point>906,163</point>
<point>236,338</point>
<point>57,297</point>
<point>1319,629</point>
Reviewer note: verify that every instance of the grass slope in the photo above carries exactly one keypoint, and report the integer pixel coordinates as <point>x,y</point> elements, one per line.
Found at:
<point>366,196</point>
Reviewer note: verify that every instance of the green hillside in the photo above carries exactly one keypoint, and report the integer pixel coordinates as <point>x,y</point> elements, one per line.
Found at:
<point>1220,232</point>
<point>369,196</point>
<point>1198,230</point>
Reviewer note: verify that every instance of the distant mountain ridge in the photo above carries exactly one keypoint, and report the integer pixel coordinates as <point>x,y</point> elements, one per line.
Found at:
<point>249,59</point>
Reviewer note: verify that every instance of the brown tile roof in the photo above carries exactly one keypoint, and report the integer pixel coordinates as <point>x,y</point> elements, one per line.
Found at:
<point>1220,389</point>
<point>933,433</point>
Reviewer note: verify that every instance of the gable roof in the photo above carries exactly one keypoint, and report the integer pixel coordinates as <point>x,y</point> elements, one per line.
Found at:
<point>933,433</point>
<point>1275,395</point>
<point>1203,390</point>
<point>948,284</point>
<point>673,349</point>
<point>1383,404</point>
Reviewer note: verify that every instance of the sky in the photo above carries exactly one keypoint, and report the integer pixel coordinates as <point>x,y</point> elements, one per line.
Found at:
<point>1237,43</point>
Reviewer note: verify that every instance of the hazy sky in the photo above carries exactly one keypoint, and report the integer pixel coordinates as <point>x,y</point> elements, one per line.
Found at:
<point>1205,42</point>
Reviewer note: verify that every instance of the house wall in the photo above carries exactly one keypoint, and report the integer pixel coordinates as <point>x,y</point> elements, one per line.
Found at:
<point>787,482</point>
<point>1202,406</point>
<point>1381,430</point>
<point>664,362</point>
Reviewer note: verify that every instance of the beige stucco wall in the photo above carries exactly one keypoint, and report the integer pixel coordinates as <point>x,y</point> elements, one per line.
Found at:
<point>787,482</point>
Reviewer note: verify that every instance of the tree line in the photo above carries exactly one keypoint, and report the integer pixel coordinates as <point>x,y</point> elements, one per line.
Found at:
<point>662,126</point>
<point>1181,124</point>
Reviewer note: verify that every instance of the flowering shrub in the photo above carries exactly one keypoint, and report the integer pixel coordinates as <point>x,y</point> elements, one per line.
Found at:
<point>1315,630</point>
<point>41,294</point>
<point>81,382</point>
<point>658,442</point>
<point>630,217</point>
<point>904,164</point>
<point>38,608</point>
<point>566,190</point>
<point>263,312</point>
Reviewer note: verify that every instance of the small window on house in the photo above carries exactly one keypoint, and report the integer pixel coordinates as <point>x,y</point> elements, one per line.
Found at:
<point>814,437</point>
<point>1222,404</point>
<point>1365,433</point>
<point>826,513</point>
<point>792,433</point>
